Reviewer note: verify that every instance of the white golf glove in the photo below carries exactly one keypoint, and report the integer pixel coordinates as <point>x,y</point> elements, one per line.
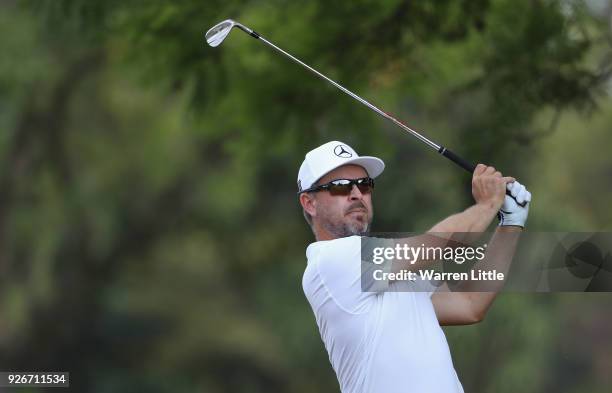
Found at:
<point>511,213</point>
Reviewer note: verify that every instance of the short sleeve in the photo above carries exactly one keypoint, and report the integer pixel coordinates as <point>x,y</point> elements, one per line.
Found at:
<point>339,264</point>
<point>374,274</point>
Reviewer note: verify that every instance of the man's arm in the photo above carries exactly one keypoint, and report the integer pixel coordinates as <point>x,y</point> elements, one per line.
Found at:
<point>461,308</point>
<point>488,189</point>
<point>468,307</point>
<point>475,218</point>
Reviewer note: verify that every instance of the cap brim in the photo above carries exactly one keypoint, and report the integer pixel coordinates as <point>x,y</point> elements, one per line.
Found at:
<point>374,166</point>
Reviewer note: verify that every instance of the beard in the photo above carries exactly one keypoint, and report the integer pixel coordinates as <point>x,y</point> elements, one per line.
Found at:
<point>343,225</point>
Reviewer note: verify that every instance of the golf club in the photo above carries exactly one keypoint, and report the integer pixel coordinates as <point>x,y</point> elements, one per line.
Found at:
<point>216,34</point>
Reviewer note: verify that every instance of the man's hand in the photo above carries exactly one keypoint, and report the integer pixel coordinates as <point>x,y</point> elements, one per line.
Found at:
<point>489,186</point>
<point>511,213</point>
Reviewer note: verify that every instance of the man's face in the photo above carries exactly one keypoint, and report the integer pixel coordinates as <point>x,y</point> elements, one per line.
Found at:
<point>343,215</point>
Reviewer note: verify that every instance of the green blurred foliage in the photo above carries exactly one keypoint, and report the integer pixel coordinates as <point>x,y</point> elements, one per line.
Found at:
<point>150,237</point>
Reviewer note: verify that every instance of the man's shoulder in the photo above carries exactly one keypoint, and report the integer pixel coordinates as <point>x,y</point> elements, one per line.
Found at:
<point>332,248</point>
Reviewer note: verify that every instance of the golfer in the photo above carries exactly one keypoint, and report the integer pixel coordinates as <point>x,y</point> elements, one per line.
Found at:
<point>389,341</point>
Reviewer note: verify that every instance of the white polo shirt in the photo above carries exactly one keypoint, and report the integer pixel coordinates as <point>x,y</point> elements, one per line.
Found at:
<point>377,342</point>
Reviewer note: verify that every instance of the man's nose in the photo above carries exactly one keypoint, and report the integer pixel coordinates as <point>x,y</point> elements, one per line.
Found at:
<point>355,193</point>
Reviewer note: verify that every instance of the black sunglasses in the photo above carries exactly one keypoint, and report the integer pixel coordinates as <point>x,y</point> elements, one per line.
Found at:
<point>344,186</point>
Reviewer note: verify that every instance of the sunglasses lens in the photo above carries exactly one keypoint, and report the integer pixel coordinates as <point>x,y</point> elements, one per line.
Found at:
<point>340,189</point>
<point>365,188</point>
<point>365,185</point>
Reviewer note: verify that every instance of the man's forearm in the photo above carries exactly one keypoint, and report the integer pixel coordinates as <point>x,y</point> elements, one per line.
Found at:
<point>498,257</point>
<point>476,218</point>
<point>453,231</point>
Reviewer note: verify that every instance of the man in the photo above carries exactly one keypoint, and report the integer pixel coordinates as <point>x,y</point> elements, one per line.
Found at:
<point>389,341</point>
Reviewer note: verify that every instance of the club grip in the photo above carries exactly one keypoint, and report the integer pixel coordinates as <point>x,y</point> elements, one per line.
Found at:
<point>468,166</point>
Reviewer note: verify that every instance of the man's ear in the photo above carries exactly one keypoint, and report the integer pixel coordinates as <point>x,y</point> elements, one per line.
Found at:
<point>308,203</point>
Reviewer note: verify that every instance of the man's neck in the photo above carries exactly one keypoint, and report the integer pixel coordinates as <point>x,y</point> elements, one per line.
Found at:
<point>324,235</point>
<point>321,234</point>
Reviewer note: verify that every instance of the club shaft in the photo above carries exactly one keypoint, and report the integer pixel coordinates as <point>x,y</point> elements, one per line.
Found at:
<point>468,166</point>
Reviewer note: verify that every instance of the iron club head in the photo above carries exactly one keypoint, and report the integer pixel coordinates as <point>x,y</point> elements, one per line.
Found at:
<point>216,34</point>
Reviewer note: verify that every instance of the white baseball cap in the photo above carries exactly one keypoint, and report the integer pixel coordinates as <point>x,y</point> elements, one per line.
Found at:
<point>330,156</point>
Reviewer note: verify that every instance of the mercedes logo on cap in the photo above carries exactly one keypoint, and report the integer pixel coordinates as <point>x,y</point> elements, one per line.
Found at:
<point>342,152</point>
